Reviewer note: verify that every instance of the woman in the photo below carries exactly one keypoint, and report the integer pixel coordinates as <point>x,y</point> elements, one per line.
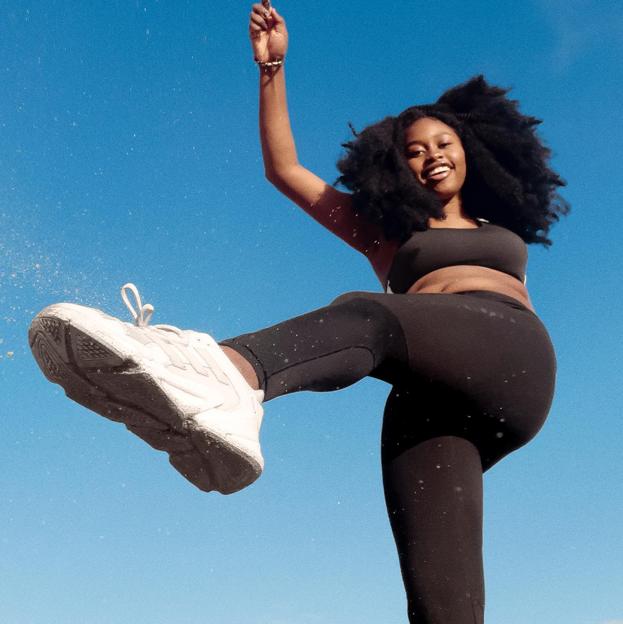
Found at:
<point>444,198</point>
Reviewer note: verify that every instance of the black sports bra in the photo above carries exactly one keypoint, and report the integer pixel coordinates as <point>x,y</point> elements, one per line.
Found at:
<point>487,245</point>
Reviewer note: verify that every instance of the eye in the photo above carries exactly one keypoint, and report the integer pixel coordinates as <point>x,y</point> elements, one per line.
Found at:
<point>445,144</point>
<point>414,153</point>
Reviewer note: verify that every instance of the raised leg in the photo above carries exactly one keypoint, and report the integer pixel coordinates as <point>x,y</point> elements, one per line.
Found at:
<point>327,349</point>
<point>243,365</point>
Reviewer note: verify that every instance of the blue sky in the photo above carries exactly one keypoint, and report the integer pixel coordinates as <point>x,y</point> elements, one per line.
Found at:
<point>129,152</point>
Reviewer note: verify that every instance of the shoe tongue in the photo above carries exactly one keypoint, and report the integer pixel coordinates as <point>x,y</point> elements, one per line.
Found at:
<point>168,328</point>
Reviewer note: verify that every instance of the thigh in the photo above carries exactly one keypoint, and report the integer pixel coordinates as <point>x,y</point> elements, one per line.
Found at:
<point>478,366</point>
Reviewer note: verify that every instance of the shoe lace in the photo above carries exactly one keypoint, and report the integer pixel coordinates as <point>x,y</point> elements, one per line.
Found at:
<point>143,313</point>
<point>172,340</point>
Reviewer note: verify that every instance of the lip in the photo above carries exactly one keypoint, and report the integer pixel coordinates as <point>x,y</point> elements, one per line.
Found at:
<point>445,169</point>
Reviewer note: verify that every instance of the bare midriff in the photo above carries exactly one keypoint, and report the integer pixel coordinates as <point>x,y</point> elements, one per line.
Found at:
<point>463,278</point>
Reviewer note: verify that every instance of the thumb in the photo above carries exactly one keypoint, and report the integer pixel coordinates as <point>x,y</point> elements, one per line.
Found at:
<point>276,17</point>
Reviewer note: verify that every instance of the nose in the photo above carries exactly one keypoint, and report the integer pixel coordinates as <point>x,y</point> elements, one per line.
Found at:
<point>432,155</point>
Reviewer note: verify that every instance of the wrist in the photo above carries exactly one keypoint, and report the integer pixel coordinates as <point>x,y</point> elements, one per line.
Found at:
<point>270,66</point>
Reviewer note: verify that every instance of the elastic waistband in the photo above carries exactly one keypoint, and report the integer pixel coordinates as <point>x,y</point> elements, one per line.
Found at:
<point>495,296</point>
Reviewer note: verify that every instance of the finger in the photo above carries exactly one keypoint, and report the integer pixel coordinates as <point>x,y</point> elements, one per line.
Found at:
<point>260,9</point>
<point>259,21</point>
<point>266,4</point>
<point>255,31</point>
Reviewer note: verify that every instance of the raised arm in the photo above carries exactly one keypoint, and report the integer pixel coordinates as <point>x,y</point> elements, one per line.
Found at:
<point>330,207</point>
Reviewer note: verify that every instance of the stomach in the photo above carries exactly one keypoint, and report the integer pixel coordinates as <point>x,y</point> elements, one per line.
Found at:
<point>463,278</point>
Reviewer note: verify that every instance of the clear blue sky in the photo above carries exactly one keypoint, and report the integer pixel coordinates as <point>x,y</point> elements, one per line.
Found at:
<point>129,152</point>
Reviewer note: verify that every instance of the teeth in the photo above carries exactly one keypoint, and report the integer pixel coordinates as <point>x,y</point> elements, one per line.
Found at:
<point>436,170</point>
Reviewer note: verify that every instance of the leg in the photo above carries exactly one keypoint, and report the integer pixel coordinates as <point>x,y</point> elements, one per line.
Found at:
<point>243,365</point>
<point>328,349</point>
<point>433,491</point>
<point>178,390</point>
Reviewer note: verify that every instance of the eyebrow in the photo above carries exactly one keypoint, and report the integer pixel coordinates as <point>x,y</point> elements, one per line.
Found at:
<point>436,136</point>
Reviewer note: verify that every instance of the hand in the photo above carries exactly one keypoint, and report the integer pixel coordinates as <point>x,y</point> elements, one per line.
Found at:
<point>268,33</point>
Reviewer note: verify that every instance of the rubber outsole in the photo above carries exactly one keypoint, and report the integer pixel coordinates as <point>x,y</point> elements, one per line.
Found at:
<point>116,387</point>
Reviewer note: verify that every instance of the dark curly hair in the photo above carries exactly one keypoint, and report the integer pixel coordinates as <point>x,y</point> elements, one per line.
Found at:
<point>509,181</point>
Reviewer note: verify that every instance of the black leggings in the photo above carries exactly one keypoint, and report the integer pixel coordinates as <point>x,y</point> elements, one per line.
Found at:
<point>473,378</point>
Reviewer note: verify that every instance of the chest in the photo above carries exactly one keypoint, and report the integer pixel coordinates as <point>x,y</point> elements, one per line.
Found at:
<point>488,246</point>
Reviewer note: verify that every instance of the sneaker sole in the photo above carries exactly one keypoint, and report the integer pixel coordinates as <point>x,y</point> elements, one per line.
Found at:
<point>116,387</point>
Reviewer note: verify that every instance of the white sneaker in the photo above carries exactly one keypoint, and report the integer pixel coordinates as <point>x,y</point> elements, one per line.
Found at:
<point>175,389</point>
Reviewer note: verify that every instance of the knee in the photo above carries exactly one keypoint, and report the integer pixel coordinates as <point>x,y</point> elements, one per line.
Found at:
<point>361,304</point>
<point>351,296</point>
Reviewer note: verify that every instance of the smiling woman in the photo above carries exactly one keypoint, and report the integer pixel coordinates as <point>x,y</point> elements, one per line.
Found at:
<point>443,199</point>
<point>508,179</point>
<point>435,154</point>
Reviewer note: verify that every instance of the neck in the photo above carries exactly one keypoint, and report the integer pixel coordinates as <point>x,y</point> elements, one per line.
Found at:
<point>453,208</point>
<point>453,214</point>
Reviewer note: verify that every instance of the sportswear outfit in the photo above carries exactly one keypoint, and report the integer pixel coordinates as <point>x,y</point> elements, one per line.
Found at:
<point>473,378</point>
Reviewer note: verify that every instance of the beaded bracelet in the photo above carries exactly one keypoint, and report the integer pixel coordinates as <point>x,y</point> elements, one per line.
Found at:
<point>269,65</point>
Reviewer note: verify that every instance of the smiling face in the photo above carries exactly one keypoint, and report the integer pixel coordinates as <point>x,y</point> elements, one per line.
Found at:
<point>435,155</point>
